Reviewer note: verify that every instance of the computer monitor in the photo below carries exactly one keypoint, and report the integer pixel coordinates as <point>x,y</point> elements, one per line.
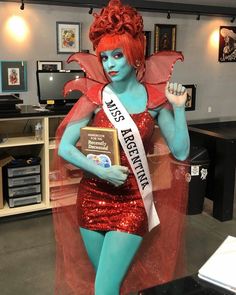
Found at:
<point>50,87</point>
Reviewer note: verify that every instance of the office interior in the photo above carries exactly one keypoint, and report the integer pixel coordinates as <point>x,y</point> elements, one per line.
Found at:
<point>27,245</point>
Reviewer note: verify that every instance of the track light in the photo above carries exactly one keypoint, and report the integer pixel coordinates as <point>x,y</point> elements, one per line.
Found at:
<point>168,15</point>
<point>22,7</point>
<point>90,10</point>
<point>233,19</point>
<point>198,17</point>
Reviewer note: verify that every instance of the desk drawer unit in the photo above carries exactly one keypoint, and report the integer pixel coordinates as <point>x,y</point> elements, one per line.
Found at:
<point>20,171</point>
<point>24,190</point>
<point>21,181</point>
<point>22,201</point>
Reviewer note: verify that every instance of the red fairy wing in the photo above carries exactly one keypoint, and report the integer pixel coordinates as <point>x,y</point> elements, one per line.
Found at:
<point>75,85</point>
<point>90,65</point>
<point>81,84</point>
<point>90,88</point>
<point>159,67</point>
<point>155,97</point>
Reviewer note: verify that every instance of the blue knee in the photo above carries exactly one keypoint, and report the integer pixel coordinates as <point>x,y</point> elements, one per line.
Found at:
<point>107,286</point>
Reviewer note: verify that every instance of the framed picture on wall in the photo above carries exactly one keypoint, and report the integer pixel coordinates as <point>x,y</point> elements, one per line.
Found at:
<point>191,97</point>
<point>46,65</point>
<point>164,37</point>
<point>13,76</point>
<point>148,35</point>
<point>227,44</point>
<point>68,37</point>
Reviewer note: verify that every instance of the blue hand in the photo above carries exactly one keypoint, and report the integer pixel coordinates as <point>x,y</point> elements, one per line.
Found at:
<point>116,175</point>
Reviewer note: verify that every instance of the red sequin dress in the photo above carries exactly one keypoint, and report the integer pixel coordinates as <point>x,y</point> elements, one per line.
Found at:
<point>101,205</point>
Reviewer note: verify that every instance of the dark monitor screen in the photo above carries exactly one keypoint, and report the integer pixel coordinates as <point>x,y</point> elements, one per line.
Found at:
<point>51,83</point>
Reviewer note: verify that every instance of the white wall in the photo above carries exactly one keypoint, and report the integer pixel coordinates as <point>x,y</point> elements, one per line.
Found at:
<point>215,81</point>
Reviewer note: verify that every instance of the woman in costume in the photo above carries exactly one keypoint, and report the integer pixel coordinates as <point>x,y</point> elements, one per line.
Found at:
<point>115,205</point>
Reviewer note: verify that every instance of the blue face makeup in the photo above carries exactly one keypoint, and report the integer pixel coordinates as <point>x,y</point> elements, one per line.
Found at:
<point>115,64</point>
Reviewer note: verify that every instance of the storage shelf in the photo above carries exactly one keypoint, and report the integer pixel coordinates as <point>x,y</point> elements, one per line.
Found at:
<point>20,141</point>
<point>6,211</point>
<point>67,201</point>
<point>20,136</point>
<point>69,181</point>
<point>52,144</point>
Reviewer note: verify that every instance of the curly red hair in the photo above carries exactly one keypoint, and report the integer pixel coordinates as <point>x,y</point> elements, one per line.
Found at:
<point>119,26</point>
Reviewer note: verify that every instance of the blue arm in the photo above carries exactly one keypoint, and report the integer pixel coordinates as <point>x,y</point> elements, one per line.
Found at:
<point>67,147</point>
<point>174,128</point>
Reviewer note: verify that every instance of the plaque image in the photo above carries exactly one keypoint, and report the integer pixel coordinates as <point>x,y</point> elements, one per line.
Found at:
<point>100,145</point>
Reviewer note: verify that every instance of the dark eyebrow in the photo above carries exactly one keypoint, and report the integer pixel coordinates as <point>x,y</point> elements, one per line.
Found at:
<point>117,50</point>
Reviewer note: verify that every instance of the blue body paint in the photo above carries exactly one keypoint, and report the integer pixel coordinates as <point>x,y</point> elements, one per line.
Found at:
<point>111,253</point>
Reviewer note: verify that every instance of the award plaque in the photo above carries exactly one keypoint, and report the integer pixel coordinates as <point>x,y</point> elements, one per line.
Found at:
<point>100,145</point>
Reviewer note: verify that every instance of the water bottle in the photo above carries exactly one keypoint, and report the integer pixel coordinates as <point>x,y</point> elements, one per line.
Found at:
<point>38,131</point>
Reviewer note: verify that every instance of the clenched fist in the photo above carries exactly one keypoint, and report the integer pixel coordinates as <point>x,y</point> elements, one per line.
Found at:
<point>176,94</point>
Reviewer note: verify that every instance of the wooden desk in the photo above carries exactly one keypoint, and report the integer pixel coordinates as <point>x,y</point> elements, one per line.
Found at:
<point>190,285</point>
<point>220,141</point>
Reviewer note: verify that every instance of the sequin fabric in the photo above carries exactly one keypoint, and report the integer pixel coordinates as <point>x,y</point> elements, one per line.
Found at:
<point>102,206</point>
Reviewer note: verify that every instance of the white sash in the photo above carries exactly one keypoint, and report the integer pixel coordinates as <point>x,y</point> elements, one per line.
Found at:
<point>132,144</point>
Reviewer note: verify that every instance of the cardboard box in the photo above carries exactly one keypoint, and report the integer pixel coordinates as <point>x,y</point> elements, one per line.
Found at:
<point>5,159</point>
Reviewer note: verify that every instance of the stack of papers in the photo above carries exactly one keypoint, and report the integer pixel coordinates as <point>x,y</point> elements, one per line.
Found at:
<point>220,268</point>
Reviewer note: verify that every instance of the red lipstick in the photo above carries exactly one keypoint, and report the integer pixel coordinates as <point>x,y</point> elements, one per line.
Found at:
<point>112,73</point>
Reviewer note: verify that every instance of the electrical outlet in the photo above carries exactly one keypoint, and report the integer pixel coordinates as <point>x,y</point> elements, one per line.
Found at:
<point>209,109</point>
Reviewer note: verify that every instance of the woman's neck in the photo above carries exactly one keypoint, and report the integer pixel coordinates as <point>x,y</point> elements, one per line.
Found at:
<point>128,84</point>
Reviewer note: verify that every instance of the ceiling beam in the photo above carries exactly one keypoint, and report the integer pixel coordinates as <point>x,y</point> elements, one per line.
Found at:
<point>142,5</point>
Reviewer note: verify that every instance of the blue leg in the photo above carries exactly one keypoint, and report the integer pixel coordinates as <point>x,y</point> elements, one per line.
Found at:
<point>93,241</point>
<point>117,253</point>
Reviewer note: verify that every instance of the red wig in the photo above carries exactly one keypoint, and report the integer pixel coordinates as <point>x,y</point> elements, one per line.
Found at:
<point>119,26</point>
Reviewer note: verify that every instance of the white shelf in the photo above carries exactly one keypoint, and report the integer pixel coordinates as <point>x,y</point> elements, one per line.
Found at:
<point>67,201</point>
<point>6,211</point>
<point>52,146</point>
<point>15,127</point>
<point>69,181</point>
<point>20,141</point>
